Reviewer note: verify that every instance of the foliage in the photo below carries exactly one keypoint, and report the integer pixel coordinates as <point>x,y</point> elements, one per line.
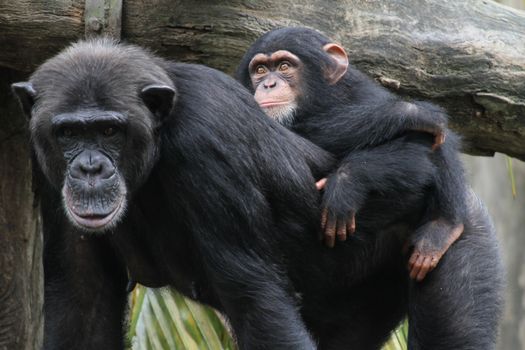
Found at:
<point>164,319</point>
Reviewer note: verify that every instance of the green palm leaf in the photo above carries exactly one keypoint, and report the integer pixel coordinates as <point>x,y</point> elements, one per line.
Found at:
<point>398,340</point>
<point>162,319</point>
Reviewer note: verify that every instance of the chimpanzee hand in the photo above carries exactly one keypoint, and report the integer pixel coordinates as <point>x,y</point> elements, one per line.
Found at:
<point>439,139</point>
<point>432,122</point>
<point>439,136</point>
<point>431,241</point>
<point>339,207</point>
<point>437,129</point>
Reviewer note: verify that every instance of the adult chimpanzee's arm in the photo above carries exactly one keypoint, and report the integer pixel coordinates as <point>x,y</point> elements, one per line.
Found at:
<point>255,296</point>
<point>400,166</point>
<point>85,288</point>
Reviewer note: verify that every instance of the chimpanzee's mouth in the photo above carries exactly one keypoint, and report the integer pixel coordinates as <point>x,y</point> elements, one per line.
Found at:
<point>94,221</point>
<point>91,213</point>
<point>269,104</point>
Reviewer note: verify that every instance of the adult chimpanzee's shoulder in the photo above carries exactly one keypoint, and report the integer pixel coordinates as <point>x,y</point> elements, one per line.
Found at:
<point>213,102</point>
<point>191,76</point>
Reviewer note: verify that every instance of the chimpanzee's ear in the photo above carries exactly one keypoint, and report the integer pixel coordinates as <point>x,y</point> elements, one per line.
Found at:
<point>340,59</point>
<point>26,96</point>
<point>159,99</point>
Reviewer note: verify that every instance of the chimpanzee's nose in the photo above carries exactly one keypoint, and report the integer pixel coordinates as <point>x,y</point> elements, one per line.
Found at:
<point>270,84</point>
<point>92,164</point>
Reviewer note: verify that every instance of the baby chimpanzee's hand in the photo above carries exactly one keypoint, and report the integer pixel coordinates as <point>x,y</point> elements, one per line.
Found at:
<point>339,206</point>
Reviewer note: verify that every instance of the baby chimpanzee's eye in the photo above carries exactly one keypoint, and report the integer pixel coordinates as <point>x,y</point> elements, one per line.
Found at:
<point>260,69</point>
<point>284,66</point>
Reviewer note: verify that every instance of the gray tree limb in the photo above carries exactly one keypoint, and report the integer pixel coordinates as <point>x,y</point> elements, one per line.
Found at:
<point>468,56</point>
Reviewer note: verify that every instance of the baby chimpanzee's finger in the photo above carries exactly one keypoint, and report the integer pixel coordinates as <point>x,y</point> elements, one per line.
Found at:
<point>341,230</point>
<point>351,223</point>
<point>417,266</point>
<point>320,184</point>
<point>330,231</point>
<point>425,268</point>
<point>439,139</point>
<point>324,218</point>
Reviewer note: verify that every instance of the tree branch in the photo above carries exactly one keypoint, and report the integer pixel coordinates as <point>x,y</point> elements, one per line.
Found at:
<point>467,56</point>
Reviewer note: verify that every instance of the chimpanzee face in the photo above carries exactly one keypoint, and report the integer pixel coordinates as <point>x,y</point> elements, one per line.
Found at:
<point>288,74</point>
<point>95,132</point>
<point>276,81</point>
<point>91,143</point>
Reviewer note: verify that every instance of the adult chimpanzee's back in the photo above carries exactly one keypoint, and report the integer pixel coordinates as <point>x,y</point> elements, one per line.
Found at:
<point>170,175</point>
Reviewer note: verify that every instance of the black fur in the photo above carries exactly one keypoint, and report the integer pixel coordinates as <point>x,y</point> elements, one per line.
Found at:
<point>221,205</point>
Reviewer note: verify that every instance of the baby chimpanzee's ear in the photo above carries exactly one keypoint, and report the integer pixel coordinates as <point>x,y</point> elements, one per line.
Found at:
<point>26,96</point>
<point>159,99</point>
<point>337,70</point>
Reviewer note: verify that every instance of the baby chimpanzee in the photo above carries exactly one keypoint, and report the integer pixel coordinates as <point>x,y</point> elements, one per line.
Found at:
<point>303,80</point>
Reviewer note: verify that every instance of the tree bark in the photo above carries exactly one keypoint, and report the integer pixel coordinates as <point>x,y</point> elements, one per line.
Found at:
<point>21,275</point>
<point>467,56</point>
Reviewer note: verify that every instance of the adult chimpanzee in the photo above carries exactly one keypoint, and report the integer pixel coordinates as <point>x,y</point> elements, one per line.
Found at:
<point>304,81</point>
<point>172,174</point>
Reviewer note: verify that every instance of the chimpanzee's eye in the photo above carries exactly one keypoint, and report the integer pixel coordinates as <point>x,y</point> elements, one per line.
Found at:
<point>109,131</point>
<point>284,66</point>
<point>260,69</point>
<point>66,132</point>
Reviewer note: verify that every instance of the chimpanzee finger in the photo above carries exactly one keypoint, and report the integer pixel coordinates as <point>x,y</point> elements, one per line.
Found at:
<point>425,268</point>
<point>321,184</point>
<point>351,225</point>
<point>417,267</point>
<point>330,231</point>
<point>324,218</point>
<point>412,260</point>
<point>439,139</point>
<point>433,262</point>
<point>413,271</point>
<point>341,230</point>
<point>349,228</point>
